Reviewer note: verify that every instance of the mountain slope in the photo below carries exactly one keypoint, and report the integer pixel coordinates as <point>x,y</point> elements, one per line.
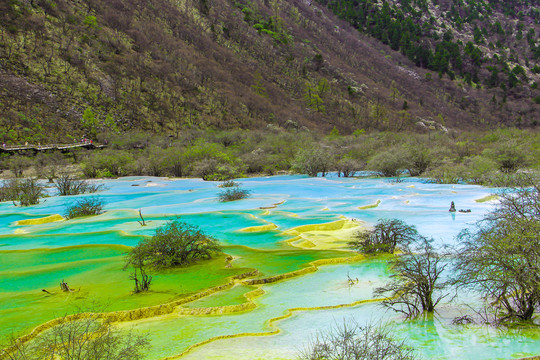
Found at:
<point>73,67</point>
<point>481,42</point>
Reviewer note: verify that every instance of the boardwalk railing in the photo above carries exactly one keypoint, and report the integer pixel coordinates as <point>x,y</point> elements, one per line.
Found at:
<point>47,147</point>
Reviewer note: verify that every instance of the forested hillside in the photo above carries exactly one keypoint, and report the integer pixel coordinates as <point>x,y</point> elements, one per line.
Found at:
<point>488,43</point>
<point>72,67</point>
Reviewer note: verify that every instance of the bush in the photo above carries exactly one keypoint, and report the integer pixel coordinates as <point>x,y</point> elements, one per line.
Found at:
<point>312,161</point>
<point>419,159</point>
<point>233,193</point>
<point>447,173</point>
<point>348,167</point>
<point>27,191</point>
<point>385,236</point>
<point>6,192</point>
<point>68,185</point>
<point>389,163</point>
<point>228,184</point>
<point>510,156</point>
<point>17,164</point>
<point>174,244</point>
<point>115,163</point>
<point>85,207</point>
<point>214,170</point>
<point>48,165</point>
<point>480,169</point>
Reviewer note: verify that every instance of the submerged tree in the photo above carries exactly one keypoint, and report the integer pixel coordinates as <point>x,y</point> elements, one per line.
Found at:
<point>232,193</point>
<point>87,206</point>
<point>385,236</point>
<point>501,256</point>
<point>27,191</point>
<point>416,285</point>
<point>136,259</point>
<point>357,342</point>
<point>68,185</point>
<point>174,244</point>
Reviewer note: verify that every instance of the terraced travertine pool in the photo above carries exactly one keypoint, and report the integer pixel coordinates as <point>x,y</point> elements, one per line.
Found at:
<point>293,230</point>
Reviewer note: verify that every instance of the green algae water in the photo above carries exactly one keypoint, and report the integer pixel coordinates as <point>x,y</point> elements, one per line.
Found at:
<point>287,280</point>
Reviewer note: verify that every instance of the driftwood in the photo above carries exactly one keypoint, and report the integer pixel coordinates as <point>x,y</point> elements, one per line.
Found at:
<point>65,287</point>
<point>351,280</point>
<point>142,219</point>
<point>45,290</point>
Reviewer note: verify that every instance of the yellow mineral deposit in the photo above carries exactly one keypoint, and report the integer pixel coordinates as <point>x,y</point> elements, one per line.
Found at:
<point>371,206</point>
<point>39,221</point>
<point>329,236</point>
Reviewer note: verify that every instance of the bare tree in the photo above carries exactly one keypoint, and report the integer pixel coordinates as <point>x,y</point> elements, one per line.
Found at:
<point>415,286</point>
<point>136,259</point>
<point>27,191</point>
<point>68,185</point>
<point>352,341</point>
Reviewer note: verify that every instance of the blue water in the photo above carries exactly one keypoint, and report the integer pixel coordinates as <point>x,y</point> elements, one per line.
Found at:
<point>300,200</point>
<point>305,201</point>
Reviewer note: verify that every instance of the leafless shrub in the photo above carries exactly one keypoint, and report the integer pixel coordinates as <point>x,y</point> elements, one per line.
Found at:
<point>352,341</point>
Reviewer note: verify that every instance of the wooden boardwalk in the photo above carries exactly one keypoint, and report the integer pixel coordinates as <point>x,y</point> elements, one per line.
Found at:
<point>48,147</point>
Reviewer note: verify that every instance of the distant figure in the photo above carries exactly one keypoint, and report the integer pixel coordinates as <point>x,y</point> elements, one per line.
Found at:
<point>26,143</point>
<point>4,145</point>
<point>452,207</point>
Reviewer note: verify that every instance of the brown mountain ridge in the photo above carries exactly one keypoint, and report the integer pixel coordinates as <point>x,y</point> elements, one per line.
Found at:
<point>70,67</point>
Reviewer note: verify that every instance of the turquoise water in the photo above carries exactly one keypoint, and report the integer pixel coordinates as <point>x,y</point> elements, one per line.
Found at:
<point>284,202</point>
